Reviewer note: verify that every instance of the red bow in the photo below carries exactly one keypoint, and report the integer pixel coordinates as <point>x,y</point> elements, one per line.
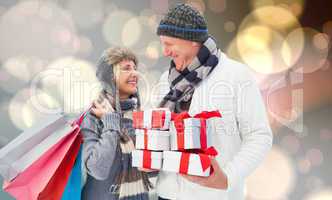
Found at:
<point>179,126</point>
<point>204,158</point>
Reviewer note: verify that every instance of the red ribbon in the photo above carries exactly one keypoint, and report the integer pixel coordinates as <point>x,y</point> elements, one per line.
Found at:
<point>208,114</point>
<point>146,139</point>
<point>146,159</point>
<point>179,126</point>
<point>158,118</point>
<point>138,119</point>
<point>203,116</point>
<point>204,158</point>
<point>184,163</point>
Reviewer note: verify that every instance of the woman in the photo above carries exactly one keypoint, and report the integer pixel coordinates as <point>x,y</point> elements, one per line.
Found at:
<point>108,134</point>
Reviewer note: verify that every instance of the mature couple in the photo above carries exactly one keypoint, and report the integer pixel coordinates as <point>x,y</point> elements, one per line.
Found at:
<point>200,77</point>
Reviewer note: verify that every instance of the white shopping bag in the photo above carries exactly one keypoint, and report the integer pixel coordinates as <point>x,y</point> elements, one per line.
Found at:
<point>21,152</point>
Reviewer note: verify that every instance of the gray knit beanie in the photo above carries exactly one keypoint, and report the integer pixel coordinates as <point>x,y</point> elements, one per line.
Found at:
<point>184,22</point>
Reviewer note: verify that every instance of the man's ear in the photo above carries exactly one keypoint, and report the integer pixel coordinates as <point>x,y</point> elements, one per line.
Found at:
<point>196,44</point>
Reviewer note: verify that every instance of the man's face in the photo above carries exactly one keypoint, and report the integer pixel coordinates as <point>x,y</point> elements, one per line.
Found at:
<point>182,52</point>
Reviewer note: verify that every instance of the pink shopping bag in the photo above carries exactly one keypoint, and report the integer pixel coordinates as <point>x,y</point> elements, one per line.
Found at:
<point>29,184</point>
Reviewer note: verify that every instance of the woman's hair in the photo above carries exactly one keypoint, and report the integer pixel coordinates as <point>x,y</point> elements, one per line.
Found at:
<point>115,55</point>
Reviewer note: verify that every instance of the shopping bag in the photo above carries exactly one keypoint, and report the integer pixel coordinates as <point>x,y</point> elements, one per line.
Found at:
<point>40,178</point>
<point>56,186</point>
<point>73,187</point>
<point>21,152</point>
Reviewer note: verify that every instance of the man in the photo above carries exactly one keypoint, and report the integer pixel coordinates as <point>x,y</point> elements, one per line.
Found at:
<point>203,78</point>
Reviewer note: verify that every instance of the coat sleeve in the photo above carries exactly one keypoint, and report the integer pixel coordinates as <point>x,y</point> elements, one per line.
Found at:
<point>100,140</point>
<point>254,129</point>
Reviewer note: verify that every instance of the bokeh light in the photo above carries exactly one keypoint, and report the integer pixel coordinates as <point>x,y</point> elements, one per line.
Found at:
<point>48,27</point>
<point>277,18</point>
<point>312,57</point>
<point>15,108</point>
<point>294,6</point>
<point>117,29</point>
<point>323,194</point>
<point>130,37</point>
<point>325,134</point>
<point>217,6</point>
<point>26,108</point>
<point>321,41</point>
<point>229,26</point>
<point>86,13</point>
<point>292,46</point>
<point>291,143</point>
<point>159,7</point>
<point>38,106</point>
<point>51,46</point>
<point>313,183</point>
<point>150,19</point>
<point>327,28</point>
<point>304,165</point>
<point>16,72</point>
<point>72,82</point>
<point>198,4</point>
<point>153,50</point>
<point>23,68</point>
<point>259,47</point>
<point>315,156</point>
<point>85,45</point>
<point>274,178</point>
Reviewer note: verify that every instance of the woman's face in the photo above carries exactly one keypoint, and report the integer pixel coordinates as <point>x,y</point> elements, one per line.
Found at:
<point>126,78</point>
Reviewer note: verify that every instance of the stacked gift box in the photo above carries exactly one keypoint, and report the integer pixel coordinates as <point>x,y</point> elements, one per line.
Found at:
<point>152,137</point>
<point>191,144</point>
<point>185,141</point>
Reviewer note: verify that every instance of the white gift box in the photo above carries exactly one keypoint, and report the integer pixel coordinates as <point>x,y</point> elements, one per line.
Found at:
<point>172,161</point>
<point>145,119</point>
<point>147,159</point>
<point>192,122</point>
<point>191,134</point>
<point>155,140</point>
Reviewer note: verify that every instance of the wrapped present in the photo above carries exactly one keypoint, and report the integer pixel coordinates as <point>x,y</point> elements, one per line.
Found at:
<point>192,132</point>
<point>147,159</point>
<point>152,119</point>
<point>198,164</point>
<point>155,140</point>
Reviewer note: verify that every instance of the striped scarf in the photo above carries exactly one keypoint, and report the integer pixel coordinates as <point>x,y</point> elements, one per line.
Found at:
<point>182,84</point>
<point>131,184</point>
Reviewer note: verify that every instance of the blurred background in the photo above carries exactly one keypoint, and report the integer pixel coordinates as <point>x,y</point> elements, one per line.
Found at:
<point>48,51</point>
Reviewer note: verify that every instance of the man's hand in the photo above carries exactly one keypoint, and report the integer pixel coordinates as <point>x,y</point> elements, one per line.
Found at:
<point>217,179</point>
